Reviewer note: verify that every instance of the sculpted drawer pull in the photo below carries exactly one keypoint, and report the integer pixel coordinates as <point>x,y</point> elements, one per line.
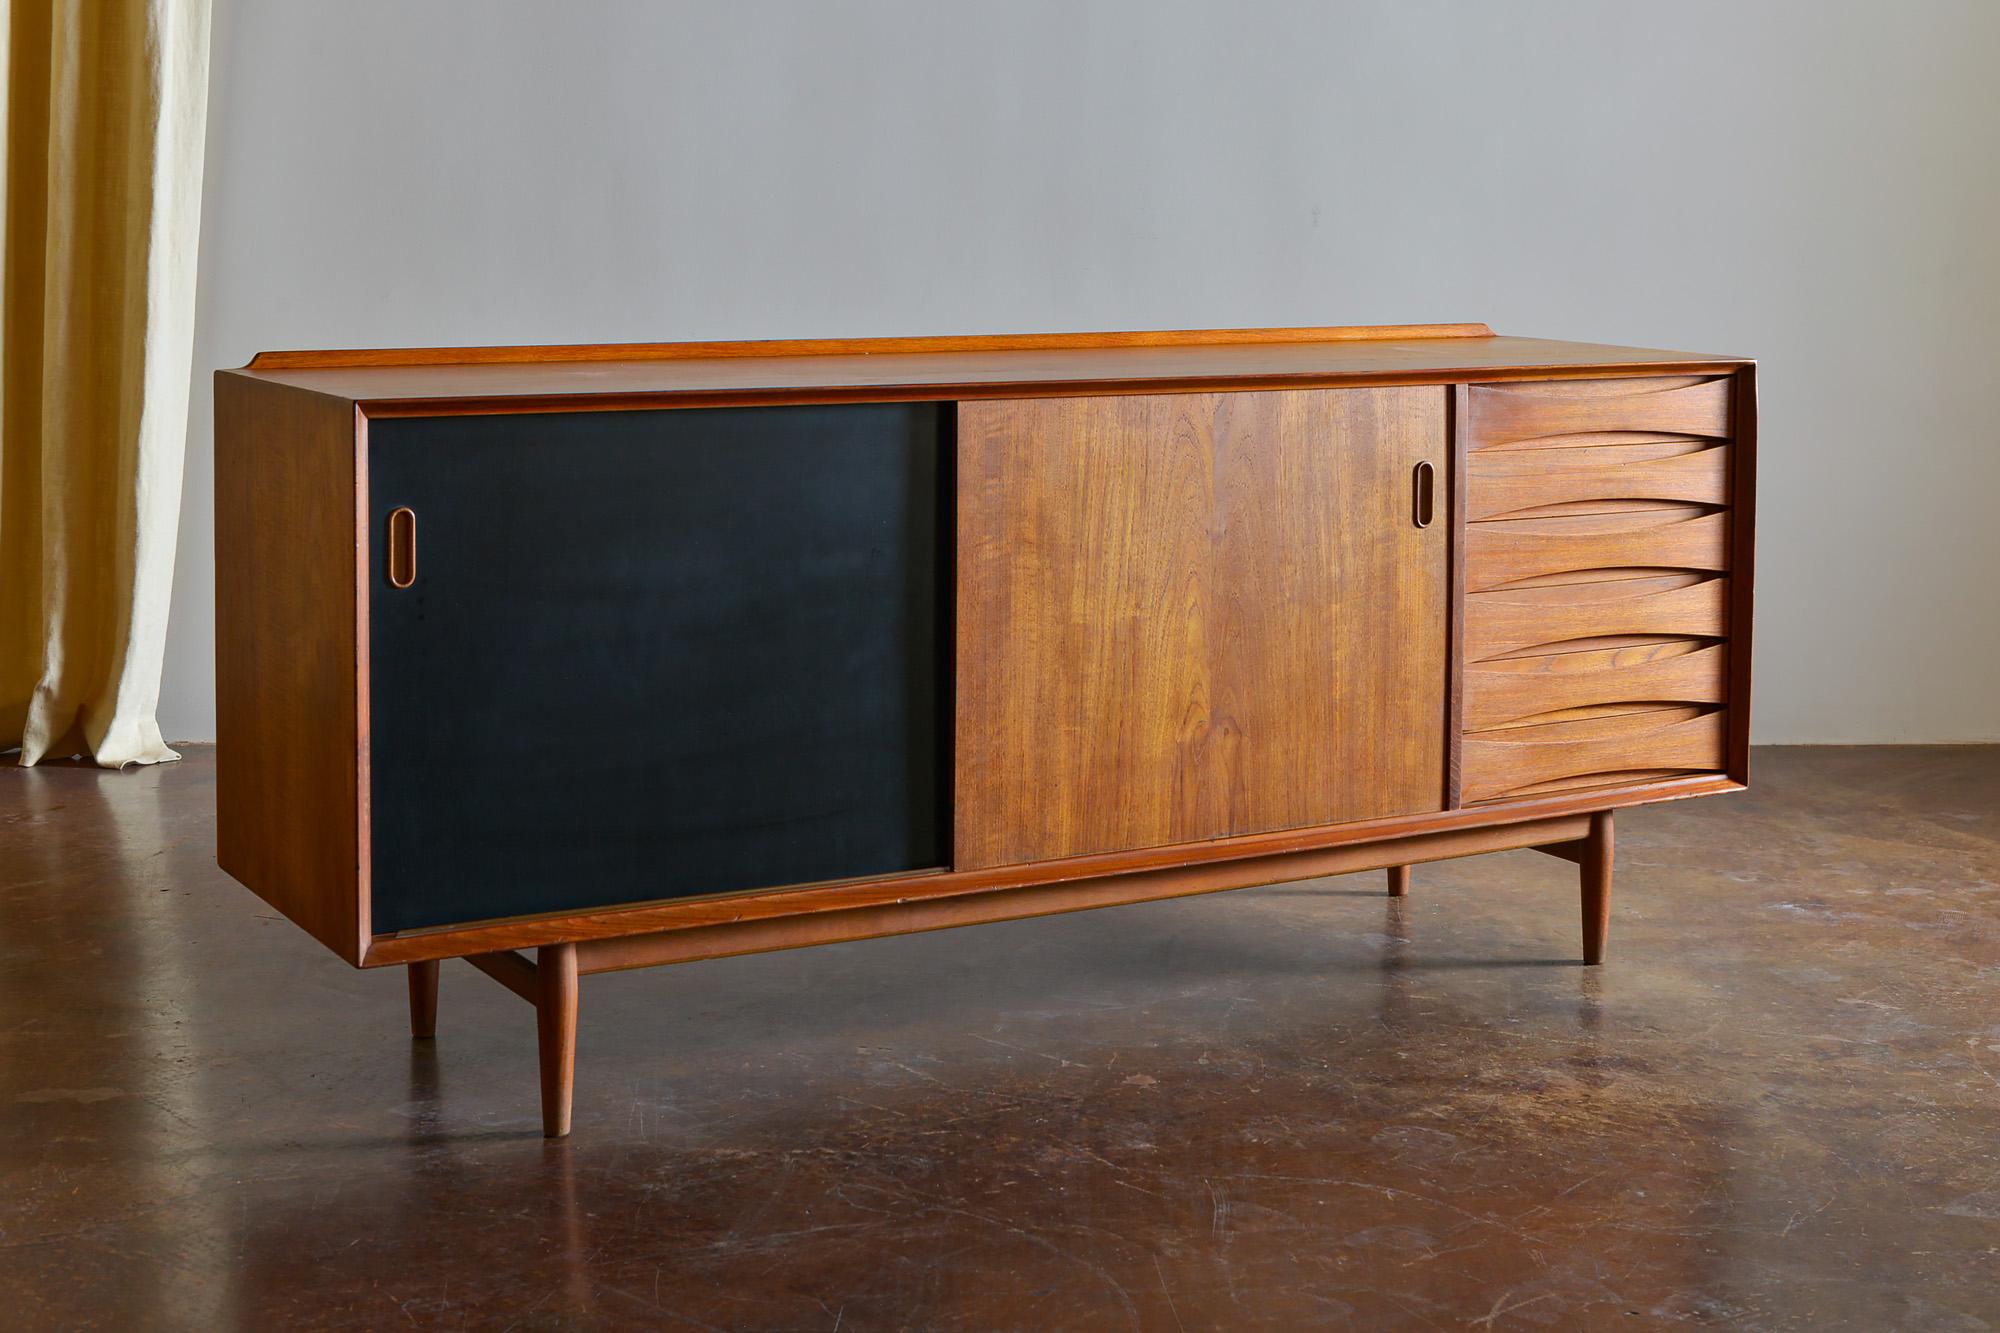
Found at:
<point>402,547</point>
<point>1424,484</point>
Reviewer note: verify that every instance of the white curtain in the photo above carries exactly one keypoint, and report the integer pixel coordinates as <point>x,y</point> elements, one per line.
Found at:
<point>105,107</point>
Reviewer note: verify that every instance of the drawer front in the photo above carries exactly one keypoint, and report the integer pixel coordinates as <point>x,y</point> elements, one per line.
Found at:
<point>1622,477</point>
<point>1507,692</point>
<point>1567,413</point>
<point>1593,752</point>
<point>1511,621</point>
<point>1597,596</point>
<point>1502,554</point>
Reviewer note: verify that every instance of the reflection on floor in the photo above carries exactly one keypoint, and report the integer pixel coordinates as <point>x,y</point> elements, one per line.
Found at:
<point>1778,1104</point>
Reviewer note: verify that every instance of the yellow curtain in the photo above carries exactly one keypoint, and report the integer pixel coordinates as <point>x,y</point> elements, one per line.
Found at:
<point>104,111</point>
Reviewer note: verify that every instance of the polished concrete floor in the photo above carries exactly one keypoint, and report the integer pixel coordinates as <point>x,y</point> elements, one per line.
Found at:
<point>1777,1105</point>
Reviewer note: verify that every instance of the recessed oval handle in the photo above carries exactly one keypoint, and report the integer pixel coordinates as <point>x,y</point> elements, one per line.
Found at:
<point>402,547</point>
<point>1423,484</point>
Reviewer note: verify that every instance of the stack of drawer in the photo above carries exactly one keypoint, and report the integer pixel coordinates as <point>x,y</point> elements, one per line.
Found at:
<point>1596,583</point>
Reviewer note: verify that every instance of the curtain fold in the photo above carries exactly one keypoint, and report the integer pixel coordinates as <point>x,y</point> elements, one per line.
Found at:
<point>105,110</point>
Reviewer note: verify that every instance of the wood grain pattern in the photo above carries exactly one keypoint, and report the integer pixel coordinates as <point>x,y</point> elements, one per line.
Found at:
<point>1187,617</point>
<point>290,647</point>
<point>902,918</point>
<point>1598,480</point>
<point>1601,723</point>
<point>1674,671</point>
<point>1596,784</point>
<point>1497,763</point>
<point>650,379</point>
<point>1505,414</point>
<point>1512,620</point>
<point>1510,551</point>
<point>977,342</point>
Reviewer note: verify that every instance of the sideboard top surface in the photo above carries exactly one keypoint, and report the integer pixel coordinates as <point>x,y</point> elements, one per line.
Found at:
<point>543,378</point>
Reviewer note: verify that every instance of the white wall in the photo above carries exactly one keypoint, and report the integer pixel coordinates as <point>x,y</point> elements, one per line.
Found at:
<point>1814,183</point>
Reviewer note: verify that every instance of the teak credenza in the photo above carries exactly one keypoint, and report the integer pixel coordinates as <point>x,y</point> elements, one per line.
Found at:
<point>630,655</point>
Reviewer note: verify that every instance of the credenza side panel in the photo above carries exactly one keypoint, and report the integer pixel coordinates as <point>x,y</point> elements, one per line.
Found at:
<point>1190,616</point>
<point>288,649</point>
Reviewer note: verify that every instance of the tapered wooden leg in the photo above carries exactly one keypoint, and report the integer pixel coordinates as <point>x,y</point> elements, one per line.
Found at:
<point>555,1024</point>
<point>424,999</point>
<point>1399,881</point>
<point>1596,876</point>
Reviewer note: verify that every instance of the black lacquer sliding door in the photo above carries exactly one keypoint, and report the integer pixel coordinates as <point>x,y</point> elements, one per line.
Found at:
<point>653,654</point>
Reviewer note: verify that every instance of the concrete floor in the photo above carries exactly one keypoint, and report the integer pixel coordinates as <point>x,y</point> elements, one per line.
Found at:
<point>1777,1106</point>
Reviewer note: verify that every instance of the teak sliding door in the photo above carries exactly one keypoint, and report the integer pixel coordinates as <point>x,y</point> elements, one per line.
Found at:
<point>1187,616</point>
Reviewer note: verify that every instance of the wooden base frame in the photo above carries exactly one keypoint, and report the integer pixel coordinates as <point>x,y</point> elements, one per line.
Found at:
<point>549,980</point>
